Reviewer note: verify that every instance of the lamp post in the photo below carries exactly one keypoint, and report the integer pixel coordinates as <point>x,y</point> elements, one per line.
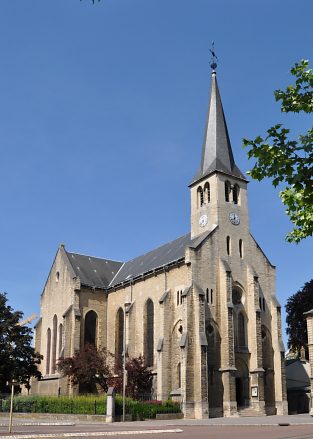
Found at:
<point>126,305</point>
<point>12,384</point>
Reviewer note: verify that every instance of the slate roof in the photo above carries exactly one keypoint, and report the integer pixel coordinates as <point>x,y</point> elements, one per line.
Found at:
<point>164,255</point>
<point>105,273</point>
<point>93,272</point>
<point>217,153</point>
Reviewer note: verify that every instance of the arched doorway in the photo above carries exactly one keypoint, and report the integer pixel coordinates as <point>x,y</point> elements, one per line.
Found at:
<point>242,383</point>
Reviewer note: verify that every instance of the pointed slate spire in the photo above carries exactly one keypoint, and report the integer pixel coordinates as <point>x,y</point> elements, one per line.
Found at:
<point>217,153</point>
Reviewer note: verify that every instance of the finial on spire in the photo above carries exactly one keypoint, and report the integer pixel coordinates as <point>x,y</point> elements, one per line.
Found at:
<point>214,59</point>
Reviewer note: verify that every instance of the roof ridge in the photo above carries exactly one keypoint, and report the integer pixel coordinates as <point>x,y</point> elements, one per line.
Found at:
<point>156,248</point>
<point>95,257</point>
<point>116,274</point>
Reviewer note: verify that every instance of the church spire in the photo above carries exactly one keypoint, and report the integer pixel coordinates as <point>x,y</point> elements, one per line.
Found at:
<point>217,153</point>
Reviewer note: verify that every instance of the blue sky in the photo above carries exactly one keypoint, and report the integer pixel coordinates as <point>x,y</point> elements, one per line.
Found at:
<point>102,112</point>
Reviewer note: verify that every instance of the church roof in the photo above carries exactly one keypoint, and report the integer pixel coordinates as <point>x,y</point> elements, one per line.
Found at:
<point>93,272</point>
<point>105,273</point>
<point>217,153</point>
<point>164,255</point>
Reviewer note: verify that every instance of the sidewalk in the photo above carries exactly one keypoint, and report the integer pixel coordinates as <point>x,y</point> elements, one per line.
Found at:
<point>50,419</point>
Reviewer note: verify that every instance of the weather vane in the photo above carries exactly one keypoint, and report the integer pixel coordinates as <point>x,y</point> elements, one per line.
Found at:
<point>214,58</point>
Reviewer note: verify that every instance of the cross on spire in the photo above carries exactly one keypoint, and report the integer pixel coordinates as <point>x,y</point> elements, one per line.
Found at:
<point>214,58</point>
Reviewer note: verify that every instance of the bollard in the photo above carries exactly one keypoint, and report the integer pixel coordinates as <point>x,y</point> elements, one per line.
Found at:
<point>110,405</point>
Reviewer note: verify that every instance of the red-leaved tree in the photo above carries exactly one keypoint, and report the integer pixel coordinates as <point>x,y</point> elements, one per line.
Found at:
<point>139,378</point>
<point>87,368</point>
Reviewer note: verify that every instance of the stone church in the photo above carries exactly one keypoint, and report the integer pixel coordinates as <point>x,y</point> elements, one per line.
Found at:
<point>201,309</point>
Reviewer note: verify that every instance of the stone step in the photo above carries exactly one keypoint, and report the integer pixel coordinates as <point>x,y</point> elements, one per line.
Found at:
<point>249,412</point>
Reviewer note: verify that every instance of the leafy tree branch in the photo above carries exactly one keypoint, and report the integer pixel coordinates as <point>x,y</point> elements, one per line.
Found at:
<point>286,161</point>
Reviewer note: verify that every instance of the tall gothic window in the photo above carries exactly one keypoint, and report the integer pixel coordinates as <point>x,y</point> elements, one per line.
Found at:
<point>227,190</point>
<point>200,196</point>
<point>228,245</point>
<point>241,330</point>
<point>54,343</point>
<point>119,338</point>
<point>179,375</point>
<point>149,332</point>
<point>240,248</point>
<point>48,351</point>
<point>236,194</point>
<point>91,320</point>
<point>207,193</point>
<point>60,339</point>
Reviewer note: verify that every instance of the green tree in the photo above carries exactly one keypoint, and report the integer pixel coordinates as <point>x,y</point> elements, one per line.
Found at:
<point>87,368</point>
<point>298,304</point>
<point>286,161</point>
<point>18,359</point>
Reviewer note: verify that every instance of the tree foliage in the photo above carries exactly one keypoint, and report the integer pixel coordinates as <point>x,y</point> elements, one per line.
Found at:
<point>87,368</point>
<point>296,305</point>
<point>139,378</point>
<point>18,359</point>
<point>286,161</point>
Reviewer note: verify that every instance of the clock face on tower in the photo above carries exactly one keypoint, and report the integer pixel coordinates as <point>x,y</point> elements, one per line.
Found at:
<point>203,220</point>
<point>234,218</point>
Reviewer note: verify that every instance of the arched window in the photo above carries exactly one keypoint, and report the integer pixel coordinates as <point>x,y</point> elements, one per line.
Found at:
<point>57,276</point>
<point>211,296</point>
<point>119,338</point>
<point>149,332</point>
<point>179,375</point>
<point>54,343</point>
<point>48,351</point>
<point>227,190</point>
<point>236,296</point>
<point>207,295</point>
<point>200,196</point>
<point>236,194</point>
<point>91,320</point>
<point>240,248</point>
<point>241,330</point>
<point>207,193</point>
<point>177,298</point>
<point>263,304</point>
<point>228,245</point>
<point>60,340</point>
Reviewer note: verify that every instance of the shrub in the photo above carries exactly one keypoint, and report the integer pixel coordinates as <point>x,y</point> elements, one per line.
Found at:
<point>88,404</point>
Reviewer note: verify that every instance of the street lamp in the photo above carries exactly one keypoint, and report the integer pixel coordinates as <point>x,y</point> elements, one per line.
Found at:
<point>12,383</point>
<point>126,305</point>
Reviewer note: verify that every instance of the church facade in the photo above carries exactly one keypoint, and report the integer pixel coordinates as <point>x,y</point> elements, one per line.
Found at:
<point>201,309</point>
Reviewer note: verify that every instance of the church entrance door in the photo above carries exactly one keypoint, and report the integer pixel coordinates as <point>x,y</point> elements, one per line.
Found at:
<point>239,392</point>
<point>242,383</point>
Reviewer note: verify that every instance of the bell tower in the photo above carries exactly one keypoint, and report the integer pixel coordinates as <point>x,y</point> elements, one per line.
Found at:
<point>218,190</point>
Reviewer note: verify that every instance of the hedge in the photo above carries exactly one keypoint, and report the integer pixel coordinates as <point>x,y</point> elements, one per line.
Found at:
<point>87,404</point>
